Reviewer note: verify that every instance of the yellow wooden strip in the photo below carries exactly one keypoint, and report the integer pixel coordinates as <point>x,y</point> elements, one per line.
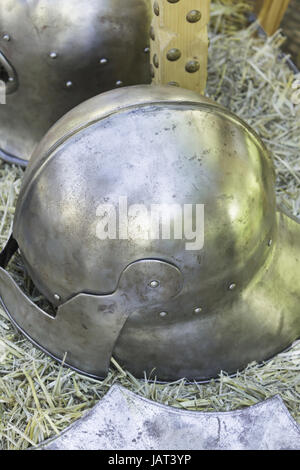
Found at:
<point>271,13</point>
<point>179,43</point>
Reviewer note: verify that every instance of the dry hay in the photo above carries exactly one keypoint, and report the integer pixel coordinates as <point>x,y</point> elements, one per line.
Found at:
<point>38,397</point>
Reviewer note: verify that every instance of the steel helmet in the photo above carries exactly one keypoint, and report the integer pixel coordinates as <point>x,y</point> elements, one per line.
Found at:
<point>217,289</point>
<point>55,54</point>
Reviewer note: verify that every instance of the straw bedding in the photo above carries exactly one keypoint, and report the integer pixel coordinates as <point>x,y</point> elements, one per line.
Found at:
<point>38,397</point>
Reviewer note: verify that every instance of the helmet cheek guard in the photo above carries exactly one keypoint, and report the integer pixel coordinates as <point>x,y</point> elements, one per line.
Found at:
<point>184,302</point>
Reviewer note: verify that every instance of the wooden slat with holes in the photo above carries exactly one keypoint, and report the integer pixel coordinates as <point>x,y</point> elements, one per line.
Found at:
<point>270,14</point>
<point>179,43</point>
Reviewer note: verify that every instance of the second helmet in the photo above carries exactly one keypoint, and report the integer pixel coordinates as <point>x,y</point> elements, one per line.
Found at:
<point>56,54</point>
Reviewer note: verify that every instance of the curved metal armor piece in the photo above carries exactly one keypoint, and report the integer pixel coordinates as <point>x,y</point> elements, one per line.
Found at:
<point>56,54</point>
<point>123,420</point>
<point>158,303</point>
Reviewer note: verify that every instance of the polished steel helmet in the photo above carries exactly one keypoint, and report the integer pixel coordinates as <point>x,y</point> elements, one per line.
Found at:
<point>147,216</point>
<point>55,54</point>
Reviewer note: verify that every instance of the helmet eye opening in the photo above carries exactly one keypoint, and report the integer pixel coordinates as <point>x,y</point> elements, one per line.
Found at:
<point>11,260</point>
<point>8,75</point>
<point>4,76</point>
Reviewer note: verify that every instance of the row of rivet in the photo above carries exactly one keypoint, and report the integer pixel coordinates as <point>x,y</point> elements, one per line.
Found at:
<point>190,69</point>
<point>174,54</point>
<point>197,310</point>
<point>6,37</point>
<point>54,55</point>
<point>102,61</point>
<point>155,283</point>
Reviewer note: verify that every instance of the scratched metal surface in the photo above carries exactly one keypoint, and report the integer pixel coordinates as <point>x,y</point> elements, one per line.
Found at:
<point>123,420</point>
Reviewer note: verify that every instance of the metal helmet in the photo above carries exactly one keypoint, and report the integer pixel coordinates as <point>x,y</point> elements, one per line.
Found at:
<point>162,247</point>
<point>55,54</point>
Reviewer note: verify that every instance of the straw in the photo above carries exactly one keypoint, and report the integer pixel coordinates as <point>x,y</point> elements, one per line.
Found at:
<point>38,397</point>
